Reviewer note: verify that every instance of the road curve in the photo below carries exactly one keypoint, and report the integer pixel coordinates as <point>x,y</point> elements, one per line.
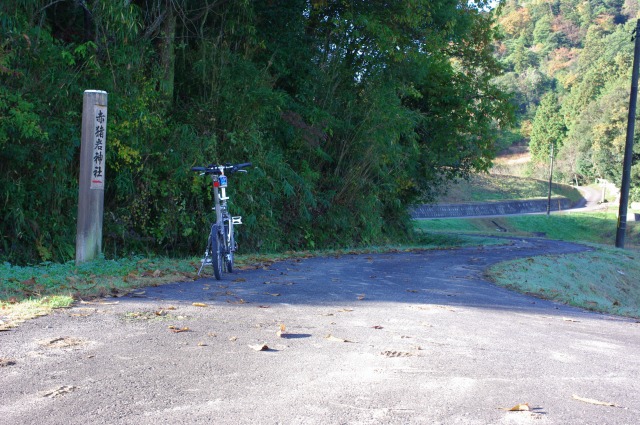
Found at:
<point>408,337</point>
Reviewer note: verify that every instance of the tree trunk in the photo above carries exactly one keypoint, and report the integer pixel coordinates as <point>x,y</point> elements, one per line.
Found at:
<point>167,52</point>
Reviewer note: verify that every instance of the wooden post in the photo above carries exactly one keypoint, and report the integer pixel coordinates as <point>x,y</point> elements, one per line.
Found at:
<point>92,176</point>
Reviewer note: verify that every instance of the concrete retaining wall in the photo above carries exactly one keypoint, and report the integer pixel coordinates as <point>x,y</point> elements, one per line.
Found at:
<point>489,208</point>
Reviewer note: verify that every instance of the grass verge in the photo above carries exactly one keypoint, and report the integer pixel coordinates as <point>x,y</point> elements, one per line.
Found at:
<point>606,280</point>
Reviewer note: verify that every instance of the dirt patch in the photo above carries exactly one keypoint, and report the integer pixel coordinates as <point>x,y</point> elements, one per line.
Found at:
<point>60,391</point>
<point>63,342</point>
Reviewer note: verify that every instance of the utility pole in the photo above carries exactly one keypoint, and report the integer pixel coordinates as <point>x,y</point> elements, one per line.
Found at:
<point>628,149</point>
<point>550,180</point>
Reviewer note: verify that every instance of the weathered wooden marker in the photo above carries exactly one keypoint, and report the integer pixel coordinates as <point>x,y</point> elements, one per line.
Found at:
<point>92,176</point>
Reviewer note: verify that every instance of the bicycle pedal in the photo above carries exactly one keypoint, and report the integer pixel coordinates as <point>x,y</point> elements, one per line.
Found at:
<point>237,219</point>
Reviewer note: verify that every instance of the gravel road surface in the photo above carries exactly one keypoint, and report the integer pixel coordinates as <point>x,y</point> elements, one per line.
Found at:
<point>399,338</point>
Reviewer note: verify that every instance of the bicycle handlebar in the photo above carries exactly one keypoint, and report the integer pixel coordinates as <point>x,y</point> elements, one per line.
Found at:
<point>217,169</point>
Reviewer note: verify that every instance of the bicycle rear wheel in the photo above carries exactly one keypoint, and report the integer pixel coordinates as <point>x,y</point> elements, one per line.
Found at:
<point>216,249</point>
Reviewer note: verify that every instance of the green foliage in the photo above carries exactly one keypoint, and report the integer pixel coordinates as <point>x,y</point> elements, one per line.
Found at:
<point>584,54</point>
<point>350,111</point>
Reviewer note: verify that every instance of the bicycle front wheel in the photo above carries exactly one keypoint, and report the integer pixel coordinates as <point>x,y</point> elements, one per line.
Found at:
<point>216,251</point>
<point>228,234</point>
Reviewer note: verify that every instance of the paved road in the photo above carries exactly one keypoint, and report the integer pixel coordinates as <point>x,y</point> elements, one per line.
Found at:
<point>412,338</point>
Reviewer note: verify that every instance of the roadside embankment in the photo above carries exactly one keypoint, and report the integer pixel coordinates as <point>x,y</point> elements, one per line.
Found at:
<point>490,208</point>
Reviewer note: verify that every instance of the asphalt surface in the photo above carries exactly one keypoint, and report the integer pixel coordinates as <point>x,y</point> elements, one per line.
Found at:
<point>399,338</point>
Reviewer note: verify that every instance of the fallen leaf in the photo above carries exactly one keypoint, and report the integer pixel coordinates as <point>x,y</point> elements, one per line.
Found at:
<point>240,279</point>
<point>273,295</point>
<point>27,282</point>
<point>259,347</point>
<point>592,401</point>
<point>233,338</point>
<point>7,362</point>
<point>202,344</point>
<point>377,327</point>
<point>390,353</point>
<point>175,329</point>
<point>567,319</point>
<point>523,407</point>
<point>238,301</point>
<point>336,339</point>
<point>199,305</point>
<point>264,306</point>
<point>99,302</point>
<point>412,290</point>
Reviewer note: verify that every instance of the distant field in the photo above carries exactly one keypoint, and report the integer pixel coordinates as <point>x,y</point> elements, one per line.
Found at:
<point>489,187</point>
<point>594,227</point>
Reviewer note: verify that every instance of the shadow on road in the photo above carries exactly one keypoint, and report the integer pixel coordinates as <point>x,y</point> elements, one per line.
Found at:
<point>452,277</point>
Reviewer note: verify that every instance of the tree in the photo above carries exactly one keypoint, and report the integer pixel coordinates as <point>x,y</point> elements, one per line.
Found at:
<point>548,129</point>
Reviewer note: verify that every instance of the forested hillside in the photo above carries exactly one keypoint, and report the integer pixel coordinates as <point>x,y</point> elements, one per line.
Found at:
<point>350,110</point>
<point>569,64</point>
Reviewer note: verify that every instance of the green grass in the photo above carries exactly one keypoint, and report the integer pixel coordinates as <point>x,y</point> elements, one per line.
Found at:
<point>31,291</point>
<point>595,227</point>
<point>605,280</point>
<point>488,188</point>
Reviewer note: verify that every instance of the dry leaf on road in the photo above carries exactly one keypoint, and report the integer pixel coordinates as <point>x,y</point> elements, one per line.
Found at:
<point>259,347</point>
<point>522,407</point>
<point>199,305</point>
<point>336,339</point>
<point>592,401</point>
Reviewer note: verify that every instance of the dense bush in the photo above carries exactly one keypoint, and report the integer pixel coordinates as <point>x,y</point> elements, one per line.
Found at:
<point>350,111</point>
